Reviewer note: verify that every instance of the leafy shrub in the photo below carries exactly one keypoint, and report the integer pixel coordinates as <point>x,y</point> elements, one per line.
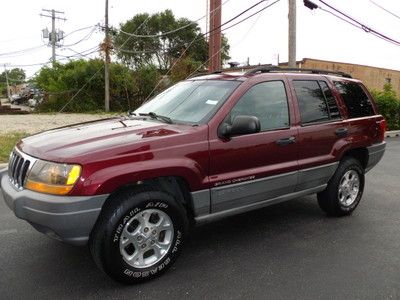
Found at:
<point>62,82</point>
<point>389,106</point>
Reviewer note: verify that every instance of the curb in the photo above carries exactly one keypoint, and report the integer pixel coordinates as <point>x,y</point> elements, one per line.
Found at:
<point>393,133</point>
<point>3,165</point>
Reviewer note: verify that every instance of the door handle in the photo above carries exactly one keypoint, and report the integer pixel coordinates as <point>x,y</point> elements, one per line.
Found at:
<point>286,141</point>
<point>341,132</point>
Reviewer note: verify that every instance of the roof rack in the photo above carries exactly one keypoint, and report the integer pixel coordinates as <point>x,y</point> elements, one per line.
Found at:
<point>270,69</point>
<point>206,73</point>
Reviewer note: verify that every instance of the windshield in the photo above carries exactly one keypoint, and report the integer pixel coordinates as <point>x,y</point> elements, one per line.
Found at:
<point>190,101</point>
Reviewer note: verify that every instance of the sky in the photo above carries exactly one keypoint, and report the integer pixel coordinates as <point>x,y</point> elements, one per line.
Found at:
<point>261,38</point>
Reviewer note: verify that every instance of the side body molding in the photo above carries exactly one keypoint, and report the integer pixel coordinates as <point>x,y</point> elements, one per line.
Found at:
<point>240,197</point>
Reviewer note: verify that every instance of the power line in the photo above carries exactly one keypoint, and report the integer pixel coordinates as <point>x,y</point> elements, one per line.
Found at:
<point>174,30</point>
<point>144,22</point>
<point>248,17</point>
<point>381,7</point>
<point>79,54</point>
<point>17,39</point>
<point>82,54</point>
<point>182,54</point>
<point>79,29</point>
<point>30,65</point>
<point>239,42</point>
<point>199,37</point>
<point>83,86</point>
<point>27,50</point>
<point>344,17</point>
<point>191,43</point>
<point>85,38</point>
<point>91,78</point>
<point>22,51</point>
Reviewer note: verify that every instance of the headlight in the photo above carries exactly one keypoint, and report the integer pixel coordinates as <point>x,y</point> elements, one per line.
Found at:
<point>52,178</point>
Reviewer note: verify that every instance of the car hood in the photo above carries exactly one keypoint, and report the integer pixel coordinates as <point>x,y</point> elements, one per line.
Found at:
<point>79,142</point>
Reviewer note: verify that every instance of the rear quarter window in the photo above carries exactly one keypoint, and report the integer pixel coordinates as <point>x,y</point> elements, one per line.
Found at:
<point>356,100</point>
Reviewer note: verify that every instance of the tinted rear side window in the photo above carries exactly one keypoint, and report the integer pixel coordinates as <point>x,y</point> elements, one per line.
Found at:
<point>357,102</point>
<point>311,101</point>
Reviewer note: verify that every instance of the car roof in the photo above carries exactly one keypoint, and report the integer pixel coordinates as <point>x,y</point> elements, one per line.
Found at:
<point>291,73</point>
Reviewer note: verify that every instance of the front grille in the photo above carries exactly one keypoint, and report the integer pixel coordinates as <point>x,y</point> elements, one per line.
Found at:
<point>18,167</point>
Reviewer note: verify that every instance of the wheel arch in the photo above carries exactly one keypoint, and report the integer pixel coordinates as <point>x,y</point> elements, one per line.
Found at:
<point>176,186</point>
<point>361,154</point>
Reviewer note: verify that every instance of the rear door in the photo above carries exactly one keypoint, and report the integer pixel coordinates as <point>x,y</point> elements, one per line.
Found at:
<point>250,168</point>
<point>362,121</point>
<point>320,130</point>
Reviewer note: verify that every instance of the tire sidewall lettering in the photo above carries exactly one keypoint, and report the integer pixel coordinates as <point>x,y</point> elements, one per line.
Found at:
<point>157,204</point>
<point>153,270</point>
<point>124,220</point>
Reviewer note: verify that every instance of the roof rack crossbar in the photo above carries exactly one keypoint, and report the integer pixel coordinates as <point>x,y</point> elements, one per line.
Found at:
<point>269,69</point>
<point>205,73</point>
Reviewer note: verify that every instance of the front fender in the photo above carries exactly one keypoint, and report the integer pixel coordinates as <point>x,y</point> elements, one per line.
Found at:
<point>107,180</point>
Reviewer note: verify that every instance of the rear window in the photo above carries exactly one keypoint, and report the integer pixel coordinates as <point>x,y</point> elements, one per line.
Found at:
<point>357,102</point>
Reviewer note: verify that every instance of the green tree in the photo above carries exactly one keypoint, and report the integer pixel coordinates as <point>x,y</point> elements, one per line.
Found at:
<point>162,51</point>
<point>15,76</point>
<point>389,106</point>
<point>61,82</point>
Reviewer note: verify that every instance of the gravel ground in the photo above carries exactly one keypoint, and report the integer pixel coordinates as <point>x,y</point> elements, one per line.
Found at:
<point>38,122</point>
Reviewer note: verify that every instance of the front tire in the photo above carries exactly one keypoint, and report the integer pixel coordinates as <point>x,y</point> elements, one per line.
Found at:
<point>344,190</point>
<point>139,234</point>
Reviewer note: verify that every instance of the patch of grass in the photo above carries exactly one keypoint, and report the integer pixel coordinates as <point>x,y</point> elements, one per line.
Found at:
<point>7,143</point>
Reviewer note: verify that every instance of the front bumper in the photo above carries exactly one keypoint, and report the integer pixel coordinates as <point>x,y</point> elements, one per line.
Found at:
<point>66,218</point>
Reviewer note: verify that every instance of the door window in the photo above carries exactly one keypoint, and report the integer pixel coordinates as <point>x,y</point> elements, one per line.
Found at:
<point>268,102</point>
<point>316,102</point>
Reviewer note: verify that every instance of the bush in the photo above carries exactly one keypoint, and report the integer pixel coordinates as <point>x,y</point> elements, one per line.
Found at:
<point>389,106</point>
<point>183,68</point>
<point>61,82</point>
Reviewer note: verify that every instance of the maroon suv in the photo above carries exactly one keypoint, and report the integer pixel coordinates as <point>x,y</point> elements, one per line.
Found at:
<point>208,147</point>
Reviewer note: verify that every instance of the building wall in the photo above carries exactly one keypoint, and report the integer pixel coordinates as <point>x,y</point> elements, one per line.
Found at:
<point>373,78</point>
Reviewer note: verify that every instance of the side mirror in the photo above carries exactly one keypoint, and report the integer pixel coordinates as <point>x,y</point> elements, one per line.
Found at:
<point>241,125</point>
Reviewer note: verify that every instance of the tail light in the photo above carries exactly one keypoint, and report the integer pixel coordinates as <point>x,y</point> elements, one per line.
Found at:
<point>381,129</point>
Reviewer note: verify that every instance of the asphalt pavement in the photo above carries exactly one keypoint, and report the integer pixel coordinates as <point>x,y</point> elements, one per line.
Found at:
<point>287,251</point>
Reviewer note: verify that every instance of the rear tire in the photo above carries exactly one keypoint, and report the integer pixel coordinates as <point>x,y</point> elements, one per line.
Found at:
<point>344,190</point>
<point>138,235</point>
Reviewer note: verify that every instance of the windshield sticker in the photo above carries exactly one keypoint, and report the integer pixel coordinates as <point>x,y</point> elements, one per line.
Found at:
<point>212,102</point>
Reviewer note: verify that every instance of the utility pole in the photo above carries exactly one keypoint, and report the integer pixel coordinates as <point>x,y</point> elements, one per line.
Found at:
<point>106,63</point>
<point>8,86</point>
<point>292,34</point>
<point>207,17</point>
<point>54,37</point>
<point>214,41</point>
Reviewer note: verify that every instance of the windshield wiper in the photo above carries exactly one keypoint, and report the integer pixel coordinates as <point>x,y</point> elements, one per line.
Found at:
<point>153,115</point>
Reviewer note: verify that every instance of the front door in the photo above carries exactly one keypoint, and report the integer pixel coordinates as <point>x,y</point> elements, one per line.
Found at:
<point>255,167</point>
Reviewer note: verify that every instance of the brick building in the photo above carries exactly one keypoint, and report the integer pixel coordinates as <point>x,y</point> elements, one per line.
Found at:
<point>372,77</point>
